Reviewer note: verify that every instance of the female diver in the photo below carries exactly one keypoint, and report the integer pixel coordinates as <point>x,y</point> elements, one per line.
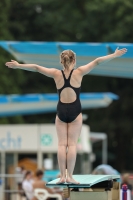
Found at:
<point>69,116</point>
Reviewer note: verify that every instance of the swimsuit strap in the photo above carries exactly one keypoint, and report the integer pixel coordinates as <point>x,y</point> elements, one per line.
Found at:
<point>68,76</point>
<point>63,75</point>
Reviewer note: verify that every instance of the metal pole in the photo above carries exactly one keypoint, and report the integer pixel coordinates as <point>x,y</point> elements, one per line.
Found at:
<point>3,166</point>
<point>39,159</point>
<point>89,163</point>
<point>104,150</point>
<point>15,165</point>
<point>39,153</point>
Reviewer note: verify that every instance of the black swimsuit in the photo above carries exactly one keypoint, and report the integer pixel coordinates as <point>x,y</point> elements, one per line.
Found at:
<point>68,112</point>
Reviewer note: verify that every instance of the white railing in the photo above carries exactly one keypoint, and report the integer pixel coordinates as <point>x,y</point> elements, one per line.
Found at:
<point>9,187</point>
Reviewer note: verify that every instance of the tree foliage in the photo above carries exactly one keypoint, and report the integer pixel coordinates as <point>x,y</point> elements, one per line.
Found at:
<point>89,21</point>
<point>92,21</point>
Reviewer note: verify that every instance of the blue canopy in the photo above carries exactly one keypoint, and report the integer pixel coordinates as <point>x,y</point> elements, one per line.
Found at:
<point>12,105</point>
<point>47,54</point>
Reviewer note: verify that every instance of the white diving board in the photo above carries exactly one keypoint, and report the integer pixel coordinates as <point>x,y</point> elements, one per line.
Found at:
<point>92,187</point>
<point>85,181</point>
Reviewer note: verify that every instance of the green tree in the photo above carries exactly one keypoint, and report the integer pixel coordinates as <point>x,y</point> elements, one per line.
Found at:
<point>92,21</point>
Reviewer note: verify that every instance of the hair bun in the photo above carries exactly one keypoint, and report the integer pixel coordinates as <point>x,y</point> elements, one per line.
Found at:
<point>66,57</point>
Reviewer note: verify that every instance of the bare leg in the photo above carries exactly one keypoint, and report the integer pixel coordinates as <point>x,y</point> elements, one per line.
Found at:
<point>61,128</point>
<point>74,130</point>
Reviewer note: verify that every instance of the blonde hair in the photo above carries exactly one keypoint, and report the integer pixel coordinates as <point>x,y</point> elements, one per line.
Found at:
<point>67,57</point>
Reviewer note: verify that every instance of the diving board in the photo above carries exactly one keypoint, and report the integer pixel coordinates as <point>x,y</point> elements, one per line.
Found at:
<point>92,187</point>
<point>86,181</point>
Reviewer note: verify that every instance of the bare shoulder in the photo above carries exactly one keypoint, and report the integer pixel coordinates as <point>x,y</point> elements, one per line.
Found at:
<point>39,184</point>
<point>85,69</point>
<point>78,72</point>
<point>54,71</point>
<point>57,72</point>
<point>79,69</point>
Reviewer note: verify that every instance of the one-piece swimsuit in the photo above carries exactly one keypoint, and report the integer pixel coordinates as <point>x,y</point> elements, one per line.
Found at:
<point>68,112</point>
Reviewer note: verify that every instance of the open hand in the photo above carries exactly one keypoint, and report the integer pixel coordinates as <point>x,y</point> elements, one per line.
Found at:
<point>120,52</point>
<point>13,64</point>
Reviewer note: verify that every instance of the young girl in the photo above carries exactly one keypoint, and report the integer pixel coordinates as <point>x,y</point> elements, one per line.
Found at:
<point>69,116</point>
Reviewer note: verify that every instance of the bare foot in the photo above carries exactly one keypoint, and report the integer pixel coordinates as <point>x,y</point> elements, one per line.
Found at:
<point>62,180</point>
<point>71,180</point>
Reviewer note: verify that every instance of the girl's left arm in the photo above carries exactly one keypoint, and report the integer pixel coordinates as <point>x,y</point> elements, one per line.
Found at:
<point>101,60</point>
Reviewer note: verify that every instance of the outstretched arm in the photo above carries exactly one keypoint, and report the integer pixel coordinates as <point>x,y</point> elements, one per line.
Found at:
<point>32,67</point>
<point>101,60</point>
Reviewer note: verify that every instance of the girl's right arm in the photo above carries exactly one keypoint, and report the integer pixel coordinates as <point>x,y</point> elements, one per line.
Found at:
<point>50,72</point>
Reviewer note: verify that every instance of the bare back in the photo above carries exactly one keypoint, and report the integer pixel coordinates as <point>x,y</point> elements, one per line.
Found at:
<point>39,184</point>
<point>68,95</point>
